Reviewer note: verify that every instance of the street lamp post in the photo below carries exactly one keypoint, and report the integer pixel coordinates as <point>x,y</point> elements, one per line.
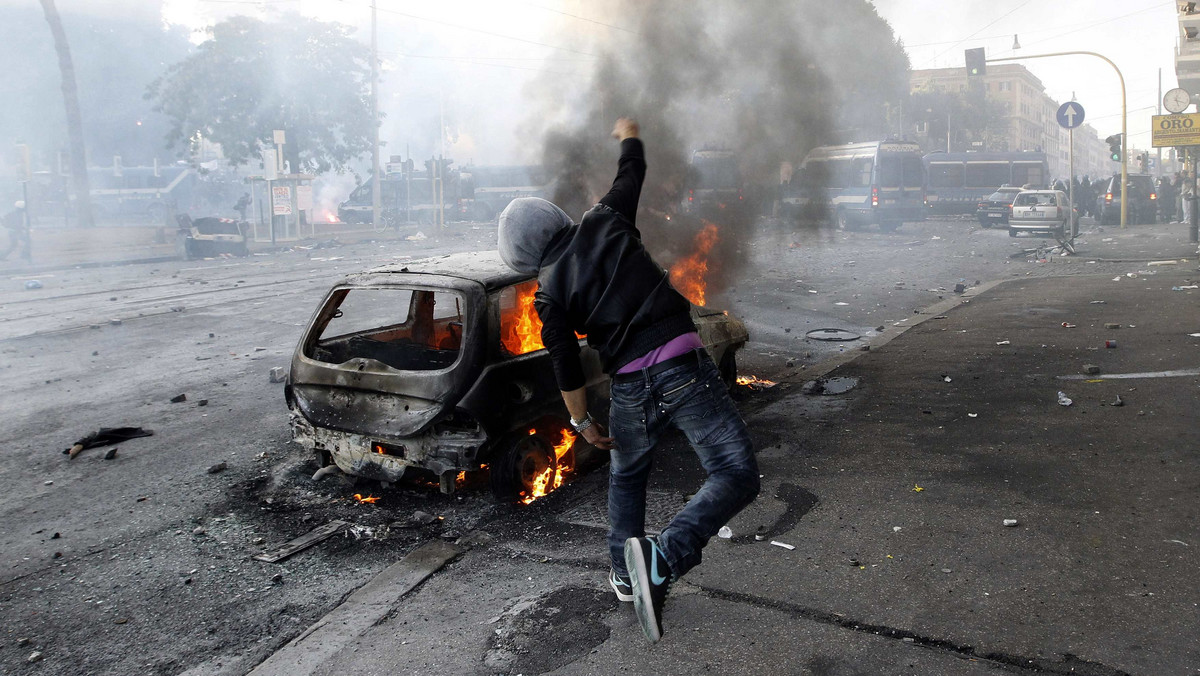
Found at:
<point>1124,110</point>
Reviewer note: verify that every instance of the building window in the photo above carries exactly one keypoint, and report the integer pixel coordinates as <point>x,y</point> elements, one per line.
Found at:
<point>1005,86</point>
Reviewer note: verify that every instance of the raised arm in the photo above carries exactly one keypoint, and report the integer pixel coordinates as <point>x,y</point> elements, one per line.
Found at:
<point>631,171</point>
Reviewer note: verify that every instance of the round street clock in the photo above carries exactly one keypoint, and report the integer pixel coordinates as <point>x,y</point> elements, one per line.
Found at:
<point>1177,100</point>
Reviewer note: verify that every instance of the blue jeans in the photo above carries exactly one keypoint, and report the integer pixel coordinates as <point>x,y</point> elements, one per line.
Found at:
<point>693,398</point>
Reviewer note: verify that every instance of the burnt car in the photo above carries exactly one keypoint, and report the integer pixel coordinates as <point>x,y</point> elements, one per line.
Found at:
<point>210,237</point>
<point>995,209</point>
<point>437,365</point>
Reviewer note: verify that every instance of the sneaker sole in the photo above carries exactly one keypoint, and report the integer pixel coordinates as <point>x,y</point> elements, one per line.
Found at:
<point>635,563</point>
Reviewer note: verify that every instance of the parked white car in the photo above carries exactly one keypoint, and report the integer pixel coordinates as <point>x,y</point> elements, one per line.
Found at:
<point>1040,211</point>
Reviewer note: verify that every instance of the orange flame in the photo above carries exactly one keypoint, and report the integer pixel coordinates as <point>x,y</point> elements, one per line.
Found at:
<point>552,478</point>
<point>520,327</point>
<point>687,275</point>
<point>754,382</point>
<point>370,500</point>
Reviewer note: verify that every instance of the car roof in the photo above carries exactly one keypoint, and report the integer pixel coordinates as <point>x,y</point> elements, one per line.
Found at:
<point>484,267</point>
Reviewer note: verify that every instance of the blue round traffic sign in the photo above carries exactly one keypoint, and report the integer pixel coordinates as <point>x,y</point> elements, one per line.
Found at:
<point>1070,115</point>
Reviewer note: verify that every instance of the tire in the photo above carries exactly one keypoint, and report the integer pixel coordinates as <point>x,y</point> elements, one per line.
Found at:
<point>1012,232</point>
<point>841,220</point>
<point>728,367</point>
<point>985,224</point>
<point>519,459</point>
<point>890,226</point>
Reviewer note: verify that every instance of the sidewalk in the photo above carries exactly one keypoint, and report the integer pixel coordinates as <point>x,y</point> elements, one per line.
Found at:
<point>895,498</point>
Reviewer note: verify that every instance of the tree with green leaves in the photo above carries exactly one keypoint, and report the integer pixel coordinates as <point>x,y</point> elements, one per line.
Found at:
<point>306,77</point>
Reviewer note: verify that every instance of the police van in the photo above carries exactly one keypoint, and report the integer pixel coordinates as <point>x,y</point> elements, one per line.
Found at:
<point>881,183</point>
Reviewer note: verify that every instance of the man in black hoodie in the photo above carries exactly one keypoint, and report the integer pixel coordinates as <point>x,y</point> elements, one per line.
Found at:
<point>596,278</point>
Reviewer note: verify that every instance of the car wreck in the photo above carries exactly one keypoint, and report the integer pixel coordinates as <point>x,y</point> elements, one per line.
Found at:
<point>438,365</point>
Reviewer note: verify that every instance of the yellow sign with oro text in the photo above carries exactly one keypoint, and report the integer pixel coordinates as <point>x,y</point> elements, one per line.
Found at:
<point>1174,131</point>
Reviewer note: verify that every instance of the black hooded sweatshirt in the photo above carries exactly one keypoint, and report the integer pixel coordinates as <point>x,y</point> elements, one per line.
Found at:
<point>596,278</point>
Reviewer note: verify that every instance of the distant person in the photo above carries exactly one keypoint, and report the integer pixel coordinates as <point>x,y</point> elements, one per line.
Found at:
<point>597,278</point>
<point>242,205</point>
<point>17,224</point>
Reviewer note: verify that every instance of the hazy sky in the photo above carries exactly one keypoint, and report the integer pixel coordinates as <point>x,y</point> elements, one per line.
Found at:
<point>457,53</point>
<point>1138,35</point>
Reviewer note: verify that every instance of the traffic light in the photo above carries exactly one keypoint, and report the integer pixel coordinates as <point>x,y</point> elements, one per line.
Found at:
<point>1114,147</point>
<point>976,62</point>
<point>1144,162</point>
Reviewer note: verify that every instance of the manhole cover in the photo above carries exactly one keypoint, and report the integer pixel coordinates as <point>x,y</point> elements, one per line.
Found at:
<point>660,507</point>
<point>834,335</point>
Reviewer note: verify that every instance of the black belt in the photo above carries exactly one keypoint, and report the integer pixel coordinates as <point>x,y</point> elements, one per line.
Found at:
<point>689,357</point>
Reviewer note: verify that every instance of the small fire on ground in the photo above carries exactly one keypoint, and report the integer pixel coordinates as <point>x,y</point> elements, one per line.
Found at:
<point>755,383</point>
<point>553,476</point>
<point>688,274</point>
<point>369,500</point>
<point>327,216</point>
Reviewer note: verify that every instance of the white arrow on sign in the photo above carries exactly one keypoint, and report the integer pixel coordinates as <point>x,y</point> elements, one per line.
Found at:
<point>1070,114</point>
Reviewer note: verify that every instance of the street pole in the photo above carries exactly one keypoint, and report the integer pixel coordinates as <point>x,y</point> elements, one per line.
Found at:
<point>1071,178</point>
<point>374,119</point>
<point>1124,121</point>
<point>1194,230</point>
<point>1158,165</point>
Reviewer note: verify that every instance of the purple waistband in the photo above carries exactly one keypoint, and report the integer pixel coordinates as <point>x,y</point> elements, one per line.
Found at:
<point>672,348</point>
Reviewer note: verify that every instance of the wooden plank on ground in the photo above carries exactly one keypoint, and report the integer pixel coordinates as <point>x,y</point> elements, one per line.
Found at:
<point>303,542</point>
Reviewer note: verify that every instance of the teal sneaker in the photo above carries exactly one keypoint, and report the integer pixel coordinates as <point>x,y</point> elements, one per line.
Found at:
<point>650,576</point>
<point>621,585</point>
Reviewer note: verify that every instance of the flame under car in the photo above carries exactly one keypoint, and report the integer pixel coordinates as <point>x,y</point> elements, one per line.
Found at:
<point>438,364</point>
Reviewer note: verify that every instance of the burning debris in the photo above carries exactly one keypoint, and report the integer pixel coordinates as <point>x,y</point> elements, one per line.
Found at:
<point>755,383</point>
<point>551,478</point>
<point>369,500</point>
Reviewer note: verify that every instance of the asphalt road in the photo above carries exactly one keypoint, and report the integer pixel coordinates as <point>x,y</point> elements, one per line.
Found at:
<point>141,564</point>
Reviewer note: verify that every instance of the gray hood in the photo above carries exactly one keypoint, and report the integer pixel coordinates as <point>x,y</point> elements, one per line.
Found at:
<point>527,225</point>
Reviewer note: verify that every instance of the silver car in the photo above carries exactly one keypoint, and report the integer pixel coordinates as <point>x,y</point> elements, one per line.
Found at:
<point>1040,211</point>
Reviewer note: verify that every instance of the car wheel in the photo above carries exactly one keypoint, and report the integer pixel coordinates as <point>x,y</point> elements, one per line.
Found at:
<point>728,367</point>
<point>1012,232</point>
<point>842,220</point>
<point>889,226</point>
<point>519,462</point>
<point>984,223</point>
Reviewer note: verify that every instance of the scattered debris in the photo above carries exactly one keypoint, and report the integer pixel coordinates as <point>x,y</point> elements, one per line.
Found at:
<point>1185,288</point>
<point>1065,325</point>
<point>1100,302</point>
<point>1112,326</point>
<point>1091,369</point>
<point>761,533</point>
<point>785,545</point>
<point>199,530</point>
<point>1154,263</point>
<point>946,379</point>
<point>854,562</point>
<point>1004,342</point>
<point>725,533</point>
<point>1178,542</point>
<point>369,500</point>
<point>420,236</point>
<point>34,656</point>
<point>22,642</point>
<point>303,542</point>
<point>1064,400</point>
<point>179,398</point>
<point>897,529</point>
<point>1011,523</point>
<point>832,335</point>
<point>960,288</point>
<point>423,518</point>
<point>917,488</point>
<point>1110,344</point>
<point>106,436</point>
<point>217,468</point>
<point>114,322</point>
<point>972,415</point>
<point>177,308</point>
<point>33,285</point>
<point>1118,402</point>
<point>202,402</point>
<point>110,453</point>
<point>947,571</point>
<point>277,375</point>
<point>48,483</point>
